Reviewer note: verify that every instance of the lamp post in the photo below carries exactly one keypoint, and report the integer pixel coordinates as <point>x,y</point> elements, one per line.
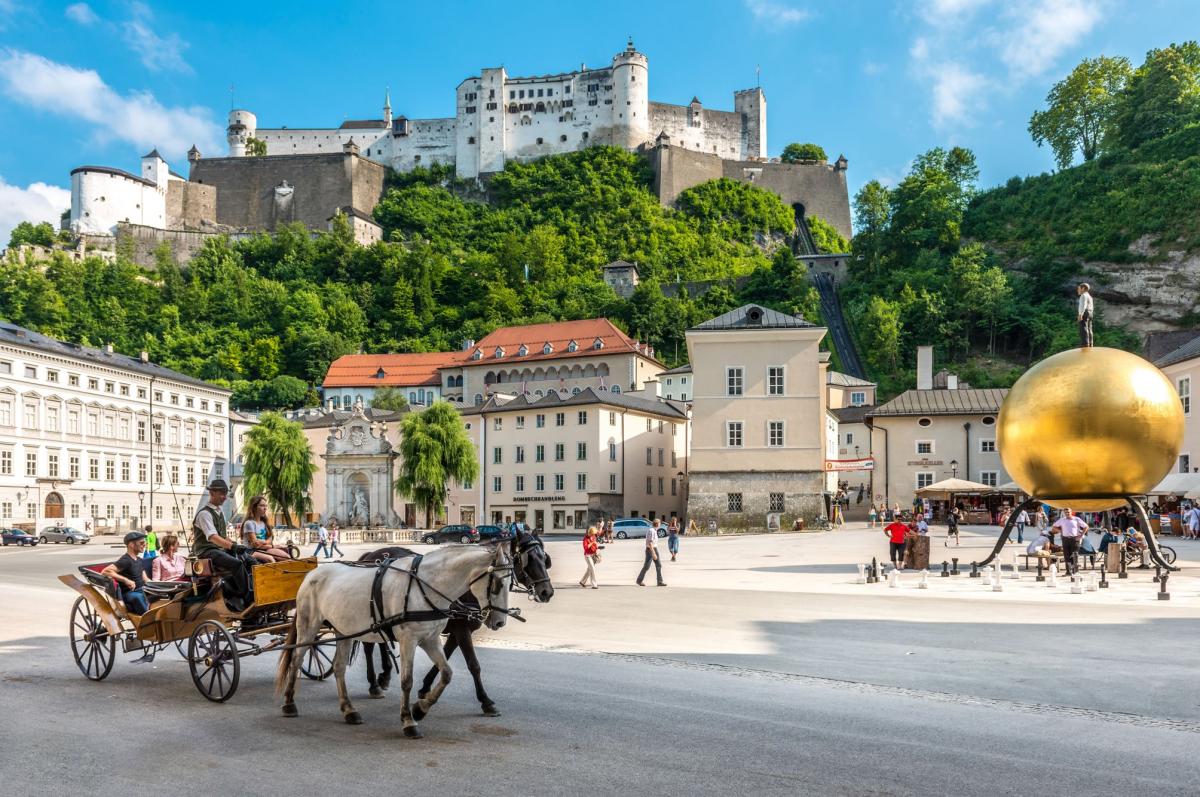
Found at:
<point>683,486</point>
<point>954,468</point>
<point>141,508</point>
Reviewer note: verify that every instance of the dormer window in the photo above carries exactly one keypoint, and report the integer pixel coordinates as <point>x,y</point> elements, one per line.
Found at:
<point>572,346</point>
<point>477,355</point>
<point>524,350</point>
<point>597,344</point>
<point>380,374</point>
<point>547,349</point>
<point>499,352</point>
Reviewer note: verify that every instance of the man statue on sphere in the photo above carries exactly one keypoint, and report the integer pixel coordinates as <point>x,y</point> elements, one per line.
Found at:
<point>1085,311</point>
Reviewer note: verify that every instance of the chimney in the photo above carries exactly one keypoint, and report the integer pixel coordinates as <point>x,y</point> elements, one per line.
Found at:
<point>108,348</point>
<point>653,386</point>
<point>952,381</point>
<point>924,368</point>
<point>329,404</point>
<point>144,356</point>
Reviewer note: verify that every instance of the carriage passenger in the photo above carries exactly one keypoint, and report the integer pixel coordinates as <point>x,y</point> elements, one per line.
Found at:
<point>257,534</point>
<point>169,564</point>
<point>130,572</point>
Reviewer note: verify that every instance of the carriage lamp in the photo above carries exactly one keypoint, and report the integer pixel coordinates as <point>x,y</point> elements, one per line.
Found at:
<point>954,468</point>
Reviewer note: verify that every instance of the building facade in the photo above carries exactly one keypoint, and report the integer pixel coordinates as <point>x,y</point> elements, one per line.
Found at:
<point>1182,367</point>
<point>759,420</point>
<point>677,383</point>
<point>563,463</point>
<point>97,439</point>
<point>500,117</point>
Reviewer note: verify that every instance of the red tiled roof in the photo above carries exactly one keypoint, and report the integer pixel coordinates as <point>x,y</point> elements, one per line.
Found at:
<point>559,335</point>
<point>412,369</point>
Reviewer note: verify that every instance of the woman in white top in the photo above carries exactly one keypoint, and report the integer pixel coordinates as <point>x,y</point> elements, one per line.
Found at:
<point>257,535</point>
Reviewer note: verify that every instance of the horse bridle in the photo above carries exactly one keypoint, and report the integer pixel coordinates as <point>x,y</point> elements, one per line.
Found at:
<point>495,586</point>
<point>522,582</point>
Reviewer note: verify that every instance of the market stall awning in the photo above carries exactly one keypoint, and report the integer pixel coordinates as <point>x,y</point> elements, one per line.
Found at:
<point>945,487</point>
<point>1183,484</point>
<point>1008,487</point>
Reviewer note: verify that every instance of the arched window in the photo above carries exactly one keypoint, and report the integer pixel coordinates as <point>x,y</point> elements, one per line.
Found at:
<point>412,397</point>
<point>574,391</point>
<point>478,398</point>
<point>538,393</point>
<point>347,401</point>
<point>615,388</point>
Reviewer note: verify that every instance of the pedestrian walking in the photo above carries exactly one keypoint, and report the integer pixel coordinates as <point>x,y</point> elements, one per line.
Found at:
<point>1022,521</point>
<point>896,531</point>
<point>652,556</point>
<point>872,513</point>
<point>1072,530</point>
<point>334,535</point>
<point>673,538</point>
<point>1086,309</point>
<point>322,541</point>
<point>952,528</point>
<point>591,556</point>
<point>151,544</point>
<point>1191,523</point>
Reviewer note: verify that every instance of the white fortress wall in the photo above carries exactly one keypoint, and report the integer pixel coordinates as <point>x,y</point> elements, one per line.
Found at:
<point>428,141</point>
<point>716,132</point>
<point>101,197</point>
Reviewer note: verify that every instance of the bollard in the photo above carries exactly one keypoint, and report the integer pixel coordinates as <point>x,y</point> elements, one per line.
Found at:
<point>924,580</point>
<point>1122,573</point>
<point>1157,574</point>
<point>1163,595</point>
<point>862,575</point>
<point>1076,585</point>
<point>997,586</point>
<point>954,570</point>
<point>974,570</point>
<point>1091,582</point>
<point>1104,577</point>
<point>1053,576</point>
<point>945,569</point>
<point>894,580</point>
<point>987,576</point>
<point>1040,577</point>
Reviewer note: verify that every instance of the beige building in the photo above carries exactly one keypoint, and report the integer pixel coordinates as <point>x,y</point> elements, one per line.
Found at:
<point>845,390</point>
<point>759,419</point>
<point>560,464</point>
<point>1182,367</point>
<point>943,429</point>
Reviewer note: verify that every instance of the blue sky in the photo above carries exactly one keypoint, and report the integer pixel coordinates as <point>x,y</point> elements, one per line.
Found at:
<point>878,80</point>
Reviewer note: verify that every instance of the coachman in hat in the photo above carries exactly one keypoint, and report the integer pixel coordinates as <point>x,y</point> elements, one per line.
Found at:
<point>229,559</point>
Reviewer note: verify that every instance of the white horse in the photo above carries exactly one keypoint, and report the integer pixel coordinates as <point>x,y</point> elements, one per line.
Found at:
<point>341,596</point>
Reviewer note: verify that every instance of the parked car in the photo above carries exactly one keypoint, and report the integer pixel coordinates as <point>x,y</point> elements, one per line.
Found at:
<point>456,533</point>
<point>493,532</point>
<point>634,527</point>
<point>64,534</point>
<point>17,537</point>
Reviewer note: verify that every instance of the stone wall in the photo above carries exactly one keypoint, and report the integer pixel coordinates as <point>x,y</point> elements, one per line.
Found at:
<point>319,185</point>
<point>708,496</point>
<point>141,242</point>
<point>720,133</point>
<point>190,204</point>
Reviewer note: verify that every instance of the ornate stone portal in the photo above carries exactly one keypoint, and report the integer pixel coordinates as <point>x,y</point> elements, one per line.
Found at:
<point>358,473</point>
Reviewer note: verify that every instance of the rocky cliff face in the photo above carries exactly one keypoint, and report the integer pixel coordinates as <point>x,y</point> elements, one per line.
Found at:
<point>1159,293</point>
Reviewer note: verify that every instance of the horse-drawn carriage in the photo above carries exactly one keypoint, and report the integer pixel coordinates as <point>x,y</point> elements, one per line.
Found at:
<point>192,616</point>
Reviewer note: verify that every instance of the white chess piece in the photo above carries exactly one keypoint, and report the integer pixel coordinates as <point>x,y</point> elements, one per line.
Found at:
<point>1016,566</point>
<point>1092,586</point>
<point>1052,581</point>
<point>894,580</point>
<point>987,576</point>
<point>998,585</point>
<point>862,575</point>
<point>924,580</point>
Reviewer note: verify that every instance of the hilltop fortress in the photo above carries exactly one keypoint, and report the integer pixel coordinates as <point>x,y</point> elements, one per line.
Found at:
<point>311,174</point>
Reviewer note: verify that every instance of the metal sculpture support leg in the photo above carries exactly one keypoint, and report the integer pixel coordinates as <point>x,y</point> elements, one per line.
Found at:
<point>1008,527</point>
<point>1151,544</point>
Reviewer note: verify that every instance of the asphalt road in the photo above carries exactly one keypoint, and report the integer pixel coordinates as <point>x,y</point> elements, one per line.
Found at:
<point>709,686</point>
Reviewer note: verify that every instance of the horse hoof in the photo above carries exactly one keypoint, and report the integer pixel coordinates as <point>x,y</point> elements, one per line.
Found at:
<point>353,718</point>
<point>424,693</point>
<point>289,710</point>
<point>375,691</point>
<point>490,710</point>
<point>413,732</point>
<point>417,713</point>
<point>385,680</point>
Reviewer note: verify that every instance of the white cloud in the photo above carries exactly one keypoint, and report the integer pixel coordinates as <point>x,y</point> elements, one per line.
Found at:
<point>779,14</point>
<point>158,53</point>
<point>136,117</point>
<point>37,203</point>
<point>82,13</point>
<point>1045,29</point>
<point>957,93</point>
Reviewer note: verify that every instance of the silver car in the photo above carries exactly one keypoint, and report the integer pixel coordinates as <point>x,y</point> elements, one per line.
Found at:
<point>64,534</point>
<point>630,528</point>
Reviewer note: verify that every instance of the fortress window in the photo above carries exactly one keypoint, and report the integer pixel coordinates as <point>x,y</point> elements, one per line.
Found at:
<point>471,140</point>
<point>592,102</point>
<point>585,135</point>
<point>563,137</point>
<point>539,141</point>
<point>566,89</point>
<point>540,92</point>
<point>512,95</point>
<point>608,102</point>
<point>522,93</point>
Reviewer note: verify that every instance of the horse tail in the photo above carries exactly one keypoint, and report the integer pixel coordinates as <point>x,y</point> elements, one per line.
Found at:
<point>285,660</point>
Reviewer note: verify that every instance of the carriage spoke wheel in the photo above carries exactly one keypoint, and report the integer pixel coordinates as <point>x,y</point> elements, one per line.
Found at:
<point>213,659</point>
<point>94,648</point>
<point>316,662</point>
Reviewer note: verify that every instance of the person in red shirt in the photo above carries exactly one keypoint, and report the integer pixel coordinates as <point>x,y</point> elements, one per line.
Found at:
<point>896,531</point>
<point>591,555</point>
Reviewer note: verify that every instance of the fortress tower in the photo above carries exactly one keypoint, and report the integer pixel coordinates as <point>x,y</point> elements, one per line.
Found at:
<point>752,105</point>
<point>631,98</point>
<point>242,126</point>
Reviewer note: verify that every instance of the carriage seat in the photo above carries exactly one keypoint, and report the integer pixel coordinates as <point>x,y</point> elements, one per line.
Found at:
<point>165,590</point>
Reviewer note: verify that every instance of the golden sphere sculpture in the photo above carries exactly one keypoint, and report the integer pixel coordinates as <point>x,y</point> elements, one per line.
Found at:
<point>1090,422</point>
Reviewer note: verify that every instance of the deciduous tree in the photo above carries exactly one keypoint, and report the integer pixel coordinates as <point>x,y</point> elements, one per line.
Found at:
<point>434,450</point>
<point>278,462</point>
<point>1079,109</point>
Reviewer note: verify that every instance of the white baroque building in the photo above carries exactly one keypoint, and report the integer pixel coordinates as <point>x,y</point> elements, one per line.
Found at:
<point>499,117</point>
<point>103,441</point>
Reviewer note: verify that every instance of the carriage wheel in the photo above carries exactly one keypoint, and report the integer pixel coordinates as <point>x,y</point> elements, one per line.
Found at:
<point>94,648</point>
<point>316,662</point>
<point>1168,554</point>
<point>213,659</point>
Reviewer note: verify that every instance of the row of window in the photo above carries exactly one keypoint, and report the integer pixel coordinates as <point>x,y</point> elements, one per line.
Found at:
<point>581,483</point>
<point>111,387</point>
<point>735,434</point>
<point>1183,386</point>
<point>97,511</point>
<point>986,446</point>
<point>112,427</point>
<point>95,466</point>
<point>734,502</point>
<point>581,419</point>
<point>735,380</point>
<point>547,348</point>
<point>988,477</point>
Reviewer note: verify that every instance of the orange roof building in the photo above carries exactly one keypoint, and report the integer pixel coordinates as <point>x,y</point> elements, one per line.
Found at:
<point>354,377</point>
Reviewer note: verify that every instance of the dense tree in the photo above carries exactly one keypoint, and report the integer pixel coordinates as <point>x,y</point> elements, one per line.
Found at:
<point>389,398</point>
<point>434,450</point>
<point>1080,109</point>
<point>1161,97</point>
<point>278,463</point>
<point>256,147</point>
<point>28,233</point>
<point>797,153</point>
<point>826,236</point>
